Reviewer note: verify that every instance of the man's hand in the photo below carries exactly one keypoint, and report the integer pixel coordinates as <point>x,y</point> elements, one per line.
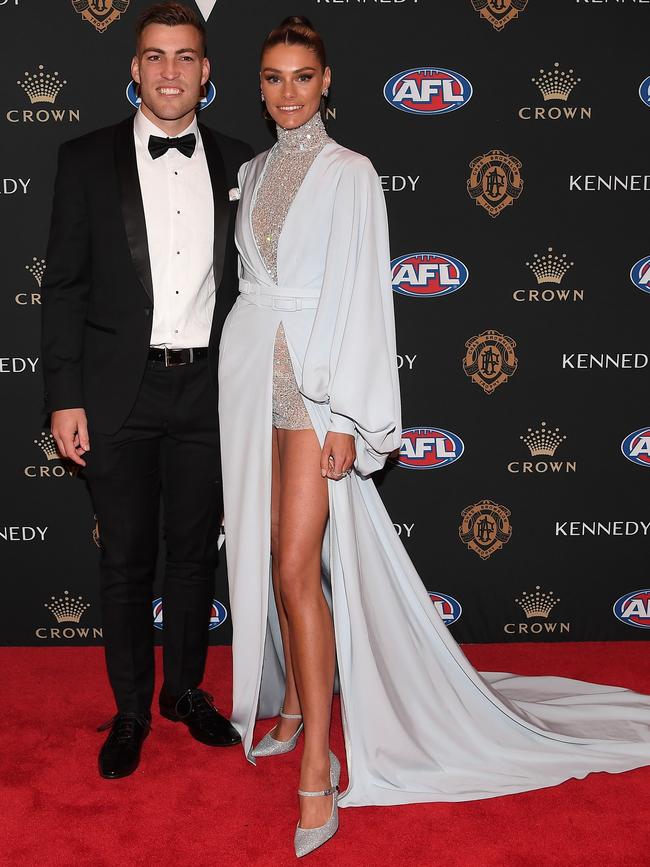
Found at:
<point>338,455</point>
<point>70,430</point>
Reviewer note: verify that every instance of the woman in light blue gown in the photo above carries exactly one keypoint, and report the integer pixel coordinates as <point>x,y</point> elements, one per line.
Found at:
<point>309,408</point>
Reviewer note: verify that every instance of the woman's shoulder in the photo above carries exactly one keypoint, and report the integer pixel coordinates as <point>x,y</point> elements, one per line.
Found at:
<point>252,165</point>
<point>351,166</point>
<point>351,162</point>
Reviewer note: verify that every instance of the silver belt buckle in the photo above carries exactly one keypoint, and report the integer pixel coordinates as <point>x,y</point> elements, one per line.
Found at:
<point>170,363</point>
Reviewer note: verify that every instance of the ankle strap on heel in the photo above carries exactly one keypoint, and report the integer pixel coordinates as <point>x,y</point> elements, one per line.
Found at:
<point>323,794</point>
<point>289,715</point>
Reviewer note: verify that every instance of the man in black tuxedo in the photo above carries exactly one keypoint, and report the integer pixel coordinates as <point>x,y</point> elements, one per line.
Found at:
<point>141,274</point>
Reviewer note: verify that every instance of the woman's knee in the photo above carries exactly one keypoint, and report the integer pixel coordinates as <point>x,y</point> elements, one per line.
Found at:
<point>299,582</point>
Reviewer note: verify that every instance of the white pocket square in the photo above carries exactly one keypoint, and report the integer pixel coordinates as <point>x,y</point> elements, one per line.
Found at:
<point>234,194</point>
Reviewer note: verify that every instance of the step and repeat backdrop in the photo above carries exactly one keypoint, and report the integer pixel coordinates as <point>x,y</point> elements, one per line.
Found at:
<point>511,139</point>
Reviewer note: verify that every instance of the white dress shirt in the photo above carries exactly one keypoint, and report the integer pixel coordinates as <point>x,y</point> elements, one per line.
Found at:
<point>179,214</point>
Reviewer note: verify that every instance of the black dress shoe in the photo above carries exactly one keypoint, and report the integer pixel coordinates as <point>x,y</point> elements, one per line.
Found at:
<point>195,708</point>
<point>120,755</point>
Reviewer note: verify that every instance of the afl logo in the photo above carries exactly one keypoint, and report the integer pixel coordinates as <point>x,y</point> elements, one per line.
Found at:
<point>208,99</point>
<point>447,607</point>
<point>640,274</point>
<point>428,275</point>
<point>634,609</point>
<point>428,448</point>
<point>218,614</point>
<point>644,91</point>
<point>428,90</point>
<point>636,447</point>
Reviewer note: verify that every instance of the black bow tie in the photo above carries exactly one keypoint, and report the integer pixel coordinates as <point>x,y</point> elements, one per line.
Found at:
<point>159,145</point>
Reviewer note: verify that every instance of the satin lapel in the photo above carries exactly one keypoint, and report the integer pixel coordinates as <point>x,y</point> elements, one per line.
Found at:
<point>132,207</point>
<point>220,198</point>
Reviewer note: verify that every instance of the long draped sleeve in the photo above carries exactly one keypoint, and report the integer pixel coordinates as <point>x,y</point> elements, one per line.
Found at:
<point>351,357</point>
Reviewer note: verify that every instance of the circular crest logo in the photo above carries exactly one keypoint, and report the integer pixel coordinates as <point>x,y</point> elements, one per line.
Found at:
<point>428,90</point>
<point>499,12</point>
<point>429,448</point>
<point>208,99</point>
<point>640,274</point>
<point>428,275</point>
<point>100,14</point>
<point>644,91</point>
<point>636,447</point>
<point>447,607</point>
<point>634,609</point>
<point>486,528</point>
<point>218,614</point>
<point>495,181</point>
<point>490,359</point>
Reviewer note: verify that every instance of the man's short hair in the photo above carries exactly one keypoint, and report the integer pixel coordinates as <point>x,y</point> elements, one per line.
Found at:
<point>172,14</point>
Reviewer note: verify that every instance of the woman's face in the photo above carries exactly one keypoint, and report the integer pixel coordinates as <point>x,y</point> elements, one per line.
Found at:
<point>292,83</point>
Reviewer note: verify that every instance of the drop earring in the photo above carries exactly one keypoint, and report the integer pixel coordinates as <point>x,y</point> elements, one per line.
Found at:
<point>262,96</point>
<point>326,92</point>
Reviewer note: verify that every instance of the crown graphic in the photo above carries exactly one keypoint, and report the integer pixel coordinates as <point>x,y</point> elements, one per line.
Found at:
<point>544,441</point>
<point>537,604</point>
<point>549,268</point>
<point>36,269</point>
<point>555,84</point>
<point>41,86</point>
<point>48,445</point>
<point>66,608</point>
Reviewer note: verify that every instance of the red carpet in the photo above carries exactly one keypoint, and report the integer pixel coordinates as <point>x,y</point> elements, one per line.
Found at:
<point>190,805</point>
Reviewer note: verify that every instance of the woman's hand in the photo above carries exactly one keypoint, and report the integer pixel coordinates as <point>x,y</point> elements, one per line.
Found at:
<point>338,456</point>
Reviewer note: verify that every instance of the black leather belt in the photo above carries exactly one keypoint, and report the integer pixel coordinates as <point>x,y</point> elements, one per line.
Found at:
<point>177,357</point>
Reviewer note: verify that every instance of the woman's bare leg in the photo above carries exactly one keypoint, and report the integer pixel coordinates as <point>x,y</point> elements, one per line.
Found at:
<point>303,513</point>
<point>285,727</point>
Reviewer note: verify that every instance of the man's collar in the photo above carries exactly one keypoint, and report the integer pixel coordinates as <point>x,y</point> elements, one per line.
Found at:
<point>144,128</point>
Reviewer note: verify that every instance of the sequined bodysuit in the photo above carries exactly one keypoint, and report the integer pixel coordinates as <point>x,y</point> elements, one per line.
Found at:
<point>285,170</point>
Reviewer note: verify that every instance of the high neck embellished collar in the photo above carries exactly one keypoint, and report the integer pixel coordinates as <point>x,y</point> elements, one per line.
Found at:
<point>310,136</point>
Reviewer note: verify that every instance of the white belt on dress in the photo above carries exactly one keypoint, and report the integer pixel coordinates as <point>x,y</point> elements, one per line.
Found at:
<point>255,293</point>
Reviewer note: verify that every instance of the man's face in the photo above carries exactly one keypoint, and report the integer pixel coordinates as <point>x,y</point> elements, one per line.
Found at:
<point>170,69</point>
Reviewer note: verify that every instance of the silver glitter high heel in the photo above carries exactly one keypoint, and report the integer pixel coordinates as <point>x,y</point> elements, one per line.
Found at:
<point>268,746</point>
<point>308,839</point>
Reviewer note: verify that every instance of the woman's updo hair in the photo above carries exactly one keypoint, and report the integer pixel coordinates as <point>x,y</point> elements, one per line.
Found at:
<point>297,30</point>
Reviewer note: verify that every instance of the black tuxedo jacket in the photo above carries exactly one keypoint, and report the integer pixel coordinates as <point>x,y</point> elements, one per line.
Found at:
<point>97,293</point>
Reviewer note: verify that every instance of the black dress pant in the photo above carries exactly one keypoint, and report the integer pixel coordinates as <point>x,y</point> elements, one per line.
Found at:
<point>169,445</point>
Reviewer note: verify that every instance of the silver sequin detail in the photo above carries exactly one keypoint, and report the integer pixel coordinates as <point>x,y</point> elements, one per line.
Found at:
<point>268,746</point>
<point>285,170</point>
<point>289,412</point>
<point>308,839</point>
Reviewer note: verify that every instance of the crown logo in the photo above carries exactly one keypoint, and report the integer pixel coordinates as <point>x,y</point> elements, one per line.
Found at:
<point>48,446</point>
<point>41,86</point>
<point>555,84</point>
<point>537,604</point>
<point>549,268</point>
<point>544,441</point>
<point>66,608</point>
<point>36,269</point>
